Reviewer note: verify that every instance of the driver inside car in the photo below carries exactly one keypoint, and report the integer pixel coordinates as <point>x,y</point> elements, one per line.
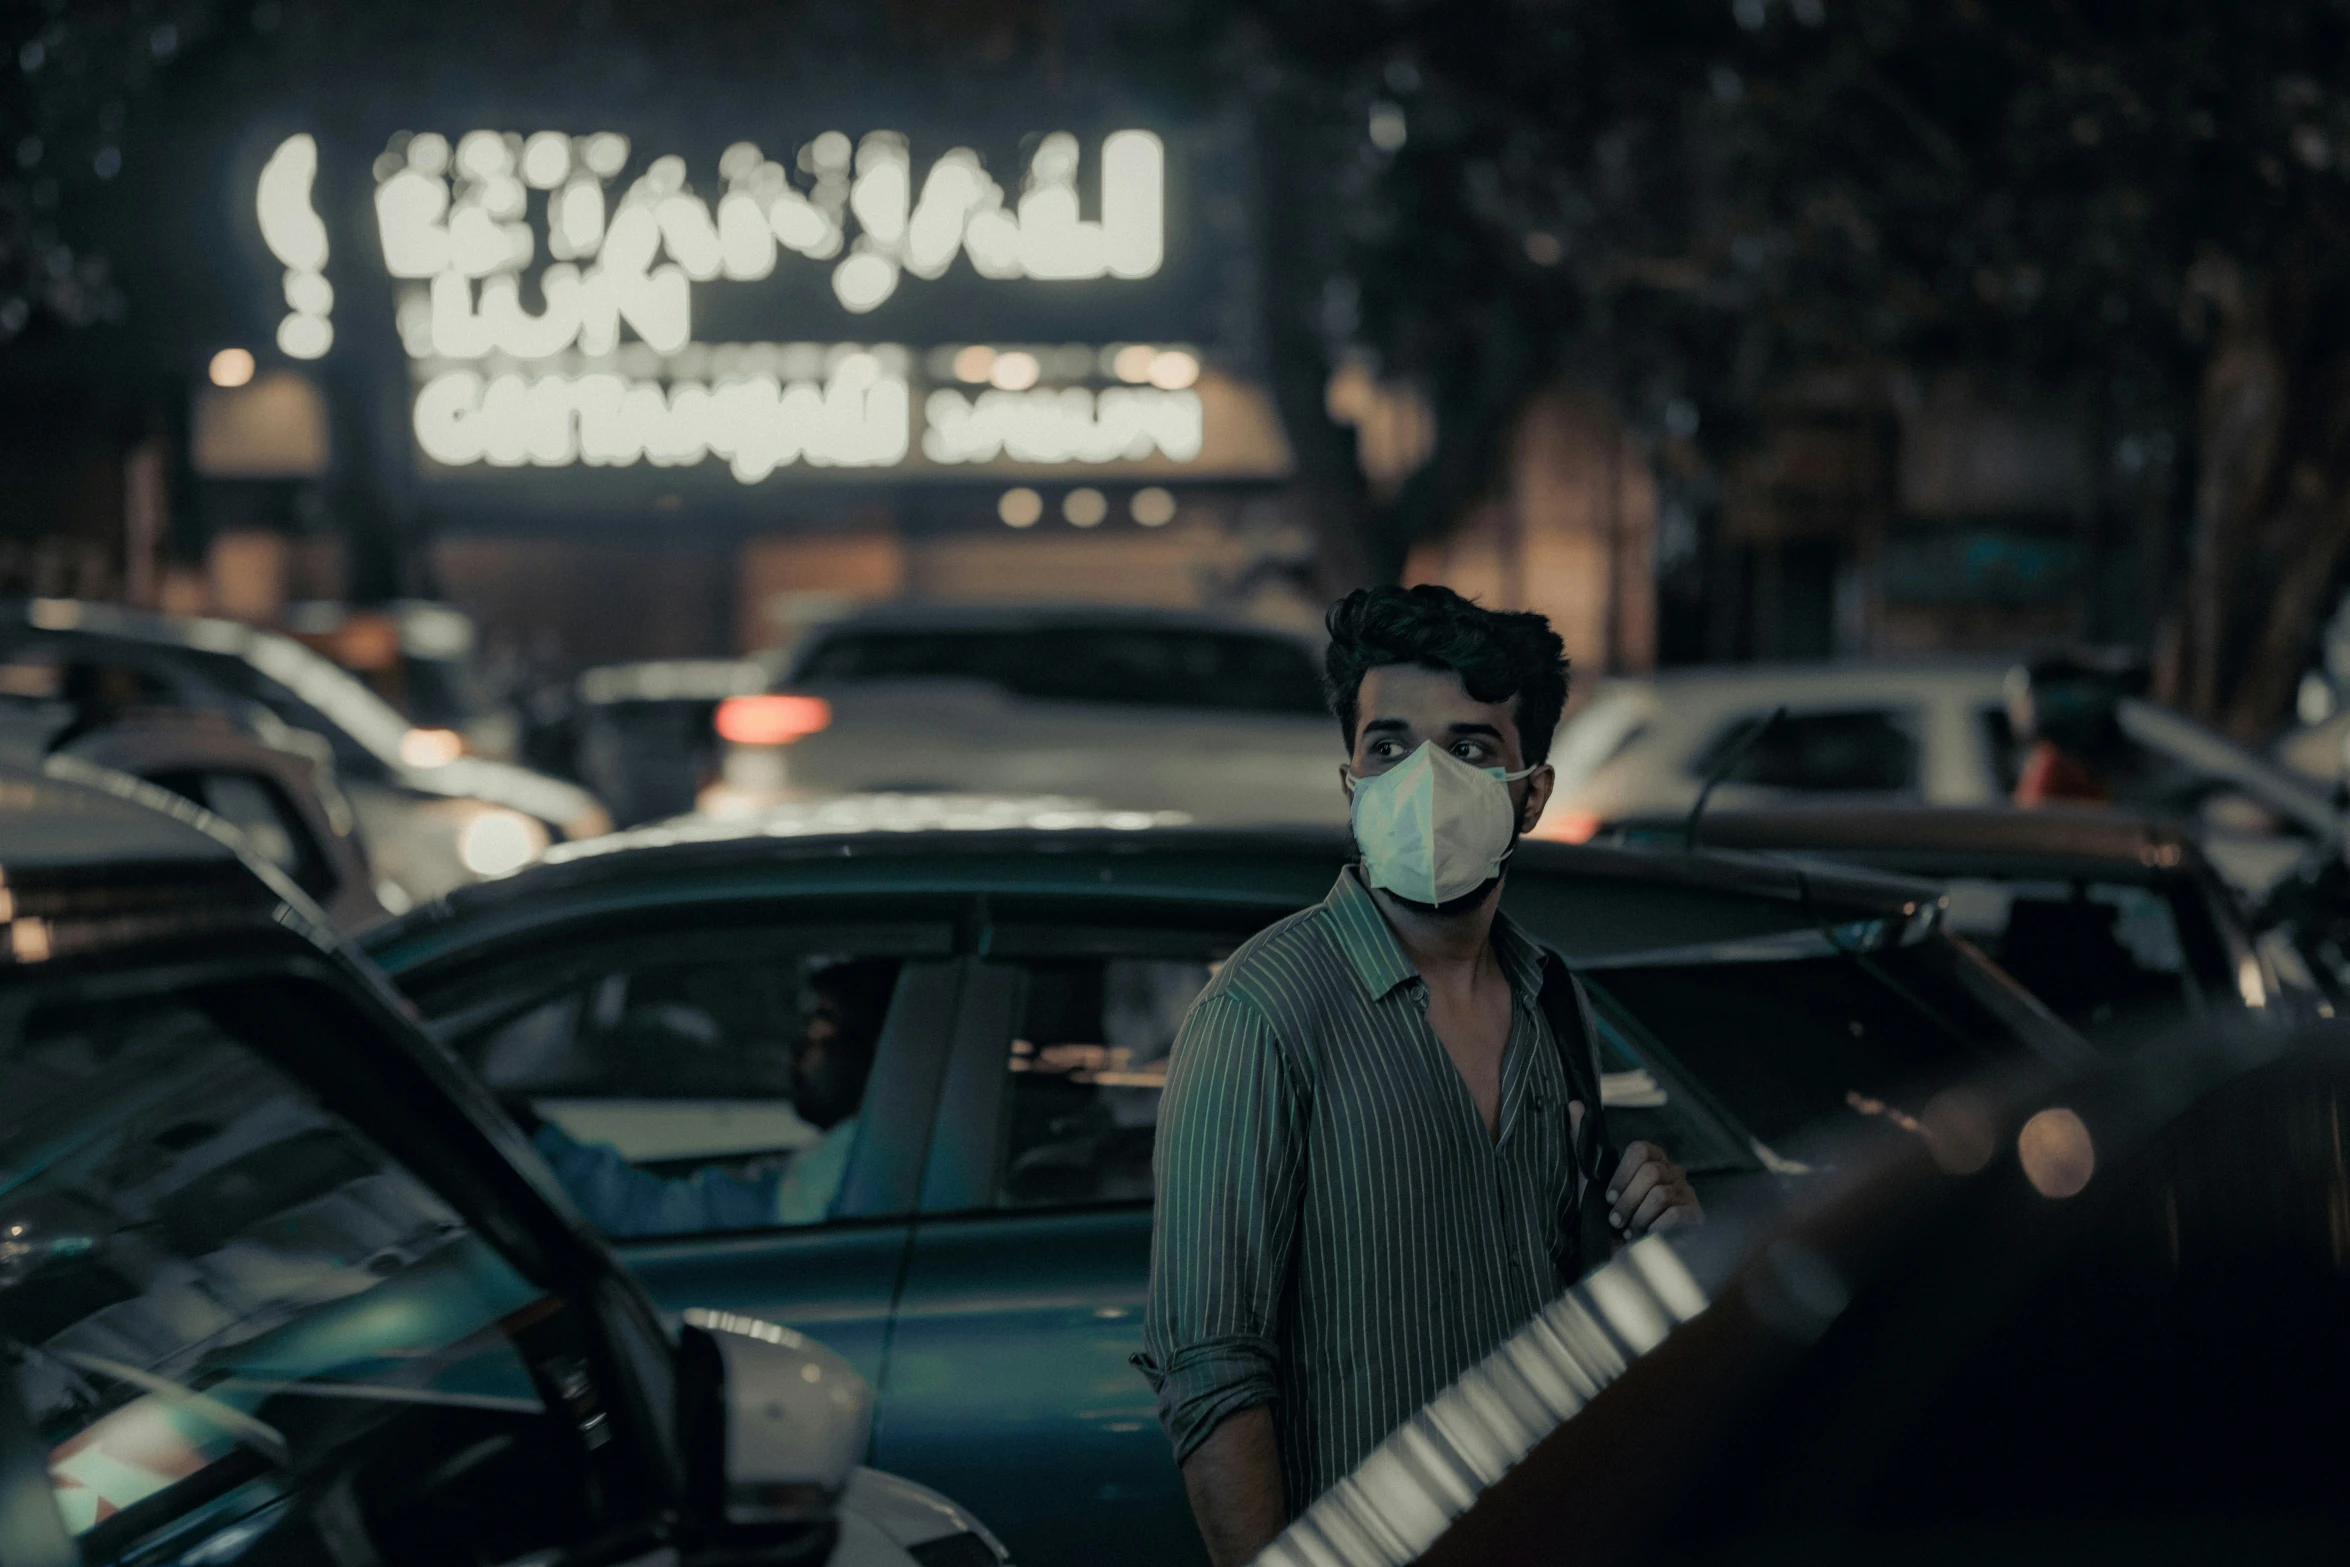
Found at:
<point>829,1069</point>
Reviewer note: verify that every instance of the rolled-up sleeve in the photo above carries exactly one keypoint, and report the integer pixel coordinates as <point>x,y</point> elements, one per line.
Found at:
<point>1227,1168</point>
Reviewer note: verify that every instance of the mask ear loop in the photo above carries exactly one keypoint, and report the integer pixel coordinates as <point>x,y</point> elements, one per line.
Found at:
<point>1518,827</point>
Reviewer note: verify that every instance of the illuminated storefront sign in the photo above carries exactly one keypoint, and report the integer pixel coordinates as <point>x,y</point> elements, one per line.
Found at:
<point>763,406</point>
<point>545,303</point>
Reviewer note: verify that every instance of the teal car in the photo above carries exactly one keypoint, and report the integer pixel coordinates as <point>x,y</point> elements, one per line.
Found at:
<point>985,1257</point>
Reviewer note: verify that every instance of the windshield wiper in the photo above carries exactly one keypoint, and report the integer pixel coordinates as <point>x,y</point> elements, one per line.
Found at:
<point>1721,770</point>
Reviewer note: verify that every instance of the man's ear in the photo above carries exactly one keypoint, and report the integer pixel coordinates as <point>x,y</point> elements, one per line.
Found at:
<point>1346,779</point>
<point>1539,784</point>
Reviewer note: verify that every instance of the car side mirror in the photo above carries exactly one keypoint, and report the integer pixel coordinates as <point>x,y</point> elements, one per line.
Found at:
<point>772,1425</point>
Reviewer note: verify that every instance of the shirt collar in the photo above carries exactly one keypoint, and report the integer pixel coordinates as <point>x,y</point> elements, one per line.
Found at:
<point>1378,959</point>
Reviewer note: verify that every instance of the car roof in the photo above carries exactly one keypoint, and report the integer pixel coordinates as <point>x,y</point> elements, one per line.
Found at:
<point>347,700</point>
<point>1032,617</point>
<point>58,825</point>
<point>1701,693</point>
<point>91,618</point>
<point>1628,899</point>
<point>1915,835</point>
<point>95,862</point>
<point>1918,671</point>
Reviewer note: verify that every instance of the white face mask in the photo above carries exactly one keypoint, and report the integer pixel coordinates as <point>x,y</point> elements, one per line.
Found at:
<point>1432,827</point>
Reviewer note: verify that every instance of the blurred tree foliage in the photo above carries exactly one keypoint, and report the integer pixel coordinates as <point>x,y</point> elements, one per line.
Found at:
<point>71,78</point>
<point>2136,209</point>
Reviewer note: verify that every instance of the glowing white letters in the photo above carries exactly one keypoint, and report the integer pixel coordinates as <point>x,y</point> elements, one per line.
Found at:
<point>858,418</point>
<point>291,228</point>
<point>761,407</point>
<point>462,215</point>
<point>531,356</point>
<point>1068,424</point>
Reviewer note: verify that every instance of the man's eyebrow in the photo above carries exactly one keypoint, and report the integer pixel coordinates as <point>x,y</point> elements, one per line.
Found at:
<point>1395,725</point>
<point>1473,729</point>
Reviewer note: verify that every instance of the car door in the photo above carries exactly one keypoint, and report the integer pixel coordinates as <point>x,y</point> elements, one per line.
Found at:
<point>662,1061</point>
<point>1009,1373</point>
<point>250,1309</point>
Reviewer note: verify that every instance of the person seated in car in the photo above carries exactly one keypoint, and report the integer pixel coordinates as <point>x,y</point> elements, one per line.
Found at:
<point>2066,709</point>
<point>829,1070</point>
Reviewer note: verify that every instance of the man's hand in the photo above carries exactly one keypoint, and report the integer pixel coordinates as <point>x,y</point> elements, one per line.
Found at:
<point>1650,1192</point>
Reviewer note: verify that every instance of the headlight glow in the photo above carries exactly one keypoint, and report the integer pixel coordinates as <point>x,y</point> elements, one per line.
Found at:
<point>498,842</point>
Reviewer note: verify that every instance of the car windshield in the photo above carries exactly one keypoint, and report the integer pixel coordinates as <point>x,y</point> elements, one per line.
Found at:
<point>1143,666</point>
<point>1789,1045</point>
<point>211,1284</point>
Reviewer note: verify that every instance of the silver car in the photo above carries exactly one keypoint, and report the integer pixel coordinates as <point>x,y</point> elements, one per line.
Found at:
<point>431,817</point>
<point>1215,720</point>
<point>1901,733</point>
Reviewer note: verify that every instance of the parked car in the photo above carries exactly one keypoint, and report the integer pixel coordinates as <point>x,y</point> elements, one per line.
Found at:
<point>1127,709</point>
<point>278,1282</point>
<point>2116,921</point>
<point>282,798</point>
<point>1905,734</point>
<point>2088,1320</point>
<point>432,817</point>
<point>986,1261</point>
<point>639,736</point>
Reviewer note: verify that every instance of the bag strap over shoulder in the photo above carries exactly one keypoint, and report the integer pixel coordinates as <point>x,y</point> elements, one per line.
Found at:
<point>1566,1007</point>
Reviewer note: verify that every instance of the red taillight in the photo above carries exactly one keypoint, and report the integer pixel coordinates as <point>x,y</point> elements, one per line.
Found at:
<point>771,720</point>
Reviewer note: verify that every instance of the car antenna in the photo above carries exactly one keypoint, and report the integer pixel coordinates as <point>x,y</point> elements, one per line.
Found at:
<point>1721,770</point>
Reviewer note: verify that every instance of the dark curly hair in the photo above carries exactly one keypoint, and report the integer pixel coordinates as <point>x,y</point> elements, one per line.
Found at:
<point>1499,654</point>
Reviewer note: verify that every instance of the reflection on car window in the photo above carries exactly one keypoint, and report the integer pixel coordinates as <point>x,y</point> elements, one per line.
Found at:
<point>682,1095</point>
<point>1088,1061</point>
<point>1143,665</point>
<point>1645,1103</point>
<point>1787,1045</point>
<point>1858,751</point>
<point>216,1293</point>
<point>2101,955</point>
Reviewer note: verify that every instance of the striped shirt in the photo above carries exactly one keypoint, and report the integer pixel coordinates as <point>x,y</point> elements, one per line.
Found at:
<point>1337,1235</point>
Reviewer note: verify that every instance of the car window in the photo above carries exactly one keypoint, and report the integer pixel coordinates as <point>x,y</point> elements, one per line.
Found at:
<point>1087,1064</point>
<point>1142,666</point>
<point>229,1310</point>
<point>1853,751</point>
<point>272,828</point>
<point>1792,1044</point>
<point>1089,1059</point>
<point>1646,1101</point>
<point>693,1084</point>
<point>2104,956</point>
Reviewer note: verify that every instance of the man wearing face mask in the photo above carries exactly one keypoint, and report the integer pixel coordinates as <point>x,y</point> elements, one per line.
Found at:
<point>1380,1148</point>
<point>829,1069</point>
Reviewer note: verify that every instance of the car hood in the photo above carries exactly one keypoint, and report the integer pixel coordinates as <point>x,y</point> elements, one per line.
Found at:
<point>909,1514</point>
